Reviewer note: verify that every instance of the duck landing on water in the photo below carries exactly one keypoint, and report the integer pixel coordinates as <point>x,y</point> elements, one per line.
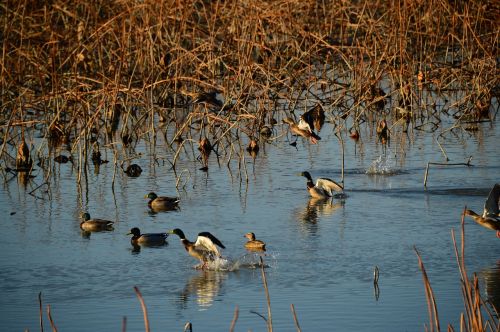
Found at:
<point>491,214</point>
<point>323,188</point>
<point>204,249</point>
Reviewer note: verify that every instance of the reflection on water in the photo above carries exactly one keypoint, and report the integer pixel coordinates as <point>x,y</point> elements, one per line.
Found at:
<point>318,207</point>
<point>491,278</point>
<point>204,287</point>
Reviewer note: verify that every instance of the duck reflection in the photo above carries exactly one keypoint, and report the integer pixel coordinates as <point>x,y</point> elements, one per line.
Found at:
<point>204,287</point>
<point>316,208</point>
<point>491,278</point>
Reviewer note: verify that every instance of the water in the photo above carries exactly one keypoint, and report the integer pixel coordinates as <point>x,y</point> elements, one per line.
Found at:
<point>321,254</point>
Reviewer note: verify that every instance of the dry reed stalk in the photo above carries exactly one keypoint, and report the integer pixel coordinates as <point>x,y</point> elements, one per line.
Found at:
<point>429,295</point>
<point>235,318</point>
<point>124,324</point>
<point>269,320</point>
<point>52,325</point>
<point>296,321</point>
<point>40,310</point>
<point>144,309</point>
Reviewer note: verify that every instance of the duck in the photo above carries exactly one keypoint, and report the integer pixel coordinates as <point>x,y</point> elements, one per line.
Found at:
<point>204,249</point>
<point>148,238</point>
<point>382,131</point>
<point>94,225</point>
<point>491,215</point>
<point>162,202</point>
<point>314,118</point>
<point>302,129</point>
<point>254,245</point>
<point>323,188</point>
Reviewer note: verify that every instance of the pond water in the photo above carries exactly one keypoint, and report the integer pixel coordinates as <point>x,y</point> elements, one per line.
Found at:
<point>321,255</point>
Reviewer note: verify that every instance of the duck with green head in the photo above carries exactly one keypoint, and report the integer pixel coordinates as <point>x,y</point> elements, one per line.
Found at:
<point>323,188</point>
<point>204,249</point>
<point>94,225</point>
<point>491,213</point>
<point>152,239</point>
<point>162,203</point>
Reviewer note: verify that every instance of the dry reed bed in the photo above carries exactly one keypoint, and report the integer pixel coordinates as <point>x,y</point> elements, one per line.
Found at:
<point>81,72</point>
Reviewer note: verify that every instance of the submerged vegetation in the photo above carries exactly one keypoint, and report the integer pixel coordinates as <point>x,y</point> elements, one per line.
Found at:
<point>219,78</point>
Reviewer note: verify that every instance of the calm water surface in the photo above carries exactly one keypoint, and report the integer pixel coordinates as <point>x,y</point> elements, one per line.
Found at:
<point>321,255</point>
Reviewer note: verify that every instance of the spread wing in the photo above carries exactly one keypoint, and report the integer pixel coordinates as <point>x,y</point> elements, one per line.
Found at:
<point>491,204</point>
<point>328,185</point>
<point>208,241</point>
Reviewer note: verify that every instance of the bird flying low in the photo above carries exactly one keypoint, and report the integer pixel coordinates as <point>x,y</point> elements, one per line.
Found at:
<point>491,214</point>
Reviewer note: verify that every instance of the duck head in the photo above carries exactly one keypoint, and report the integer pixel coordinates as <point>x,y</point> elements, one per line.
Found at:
<point>177,232</point>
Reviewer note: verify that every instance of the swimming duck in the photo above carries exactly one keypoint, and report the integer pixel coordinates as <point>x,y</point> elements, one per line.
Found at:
<point>491,215</point>
<point>204,249</point>
<point>148,238</point>
<point>94,225</point>
<point>162,202</point>
<point>323,188</point>
<point>302,129</point>
<point>253,244</point>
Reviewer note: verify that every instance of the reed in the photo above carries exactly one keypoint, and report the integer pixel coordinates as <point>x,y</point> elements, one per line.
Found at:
<point>477,316</point>
<point>114,73</point>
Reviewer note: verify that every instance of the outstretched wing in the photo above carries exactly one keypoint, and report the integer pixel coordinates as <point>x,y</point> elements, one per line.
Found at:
<point>207,240</point>
<point>328,185</point>
<point>491,204</point>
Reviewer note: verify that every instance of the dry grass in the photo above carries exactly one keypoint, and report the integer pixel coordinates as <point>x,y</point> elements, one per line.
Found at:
<point>478,316</point>
<point>81,72</point>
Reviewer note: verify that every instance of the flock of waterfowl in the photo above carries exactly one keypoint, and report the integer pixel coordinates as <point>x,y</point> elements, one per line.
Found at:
<point>205,248</point>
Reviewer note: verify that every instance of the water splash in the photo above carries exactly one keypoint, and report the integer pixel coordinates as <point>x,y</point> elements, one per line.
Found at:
<point>383,165</point>
<point>246,261</point>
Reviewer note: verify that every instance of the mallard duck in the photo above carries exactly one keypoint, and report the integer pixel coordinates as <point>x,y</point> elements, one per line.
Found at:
<point>204,249</point>
<point>148,238</point>
<point>253,244</point>
<point>323,188</point>
<point>314,118</point>
<point>302,129</point>
<point>94,225</point>
<point>162,202</point>
<point>491,215</point>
